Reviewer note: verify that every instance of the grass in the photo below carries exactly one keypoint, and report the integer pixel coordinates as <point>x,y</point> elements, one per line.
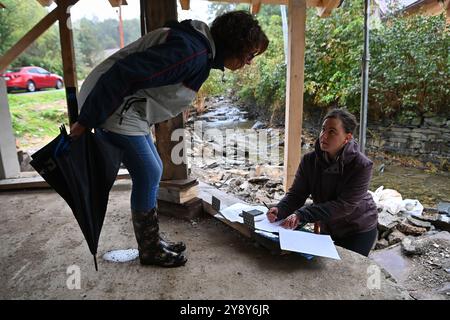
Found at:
<point>36,117</point>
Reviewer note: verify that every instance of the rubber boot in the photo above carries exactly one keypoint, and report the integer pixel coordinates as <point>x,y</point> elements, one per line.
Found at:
<point>177,247</point>
<point>151,250</point>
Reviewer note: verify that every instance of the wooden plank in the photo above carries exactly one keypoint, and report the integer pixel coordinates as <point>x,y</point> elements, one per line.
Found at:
<point>309,3</point>
<point>188,210</point>
<point>327,7</point>
<point>179,184</point>
<point>185,4</point>
<point>28,39</point>
<point>45,3</point>
<point>294,89</point>
<point>68,58</point>
<point>177,195</point>
<point>206,193</point>
<point>118,3</point>
<point>31,180</point>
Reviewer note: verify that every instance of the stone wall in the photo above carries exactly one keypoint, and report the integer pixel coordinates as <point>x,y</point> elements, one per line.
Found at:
<point>429,142</point>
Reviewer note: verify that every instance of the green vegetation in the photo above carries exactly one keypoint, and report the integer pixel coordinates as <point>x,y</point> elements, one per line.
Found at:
<point>409,66</point>
<point>91,37</point>
<point>37,115</point>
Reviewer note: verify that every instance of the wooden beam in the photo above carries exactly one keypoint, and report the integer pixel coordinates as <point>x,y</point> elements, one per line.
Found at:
<point>28,39</point>
<point>327,6</point>
<point>31,180</point>
<point>256,6</point>
<point>309,3</point>
<point>294,89</point>
<point>185,4</point>
<point>118,3</point>
<point>45,3</point>
<point>68,58</point>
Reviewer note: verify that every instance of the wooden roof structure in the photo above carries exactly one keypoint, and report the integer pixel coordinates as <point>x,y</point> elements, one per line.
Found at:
<point>160,11</point>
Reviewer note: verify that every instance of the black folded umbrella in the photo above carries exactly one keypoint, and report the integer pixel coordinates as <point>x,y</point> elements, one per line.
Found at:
<point>82,172</point>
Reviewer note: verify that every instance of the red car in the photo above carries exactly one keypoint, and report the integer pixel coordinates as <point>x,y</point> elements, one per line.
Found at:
<point>31,79</point>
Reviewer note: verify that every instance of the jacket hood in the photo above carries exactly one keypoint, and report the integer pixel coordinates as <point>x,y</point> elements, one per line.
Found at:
<point>346,155</point>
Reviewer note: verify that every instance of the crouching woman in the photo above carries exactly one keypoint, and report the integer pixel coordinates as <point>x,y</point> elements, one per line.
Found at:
<point>336,175</point>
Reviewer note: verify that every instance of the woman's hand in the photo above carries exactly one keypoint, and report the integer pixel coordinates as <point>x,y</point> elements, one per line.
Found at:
<point>291,222</point>
<point>77,130</point>
<point>272,214</point>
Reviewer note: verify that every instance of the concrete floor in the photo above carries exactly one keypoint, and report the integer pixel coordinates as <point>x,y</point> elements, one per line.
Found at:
<point>41,240</point>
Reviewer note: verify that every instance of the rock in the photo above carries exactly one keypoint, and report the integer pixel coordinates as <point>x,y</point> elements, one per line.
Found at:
<point>258,125</point>
<point>273,172</point>
<point>412,247</point>
<point>428,217</point>
<point>444,208</point>
<point>395,237</point>
<point>258,180</point>
<point>442,223</point>
<point>244,185</point>
<point>381,244</point>
<point>24,161</point>
<point>418,223</point>
<point>387,221</point>
<point>278,196</point>
<point>273,184</point>
<point>410,230</point>
<point>261,197</point>
<point>435,121</point>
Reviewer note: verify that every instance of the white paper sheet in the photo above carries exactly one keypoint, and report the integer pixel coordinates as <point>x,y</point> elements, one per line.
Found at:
<point>232,212</point>
<point>306,242</point>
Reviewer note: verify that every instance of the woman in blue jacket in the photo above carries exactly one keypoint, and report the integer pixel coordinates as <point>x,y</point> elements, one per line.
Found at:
<point>152,80</point>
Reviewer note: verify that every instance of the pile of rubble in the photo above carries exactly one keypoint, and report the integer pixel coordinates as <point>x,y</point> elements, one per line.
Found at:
<point>394,228</point>
<point>431,255</point>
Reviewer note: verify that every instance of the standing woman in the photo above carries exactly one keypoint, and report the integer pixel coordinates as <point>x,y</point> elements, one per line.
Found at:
<point>337,176</point>
<point>152,80</point>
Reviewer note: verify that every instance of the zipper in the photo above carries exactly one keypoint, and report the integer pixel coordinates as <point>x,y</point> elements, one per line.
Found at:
<point>127,106</point>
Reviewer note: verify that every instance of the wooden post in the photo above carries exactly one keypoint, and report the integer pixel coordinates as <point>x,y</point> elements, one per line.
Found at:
<point>156,14</point>
<point>9,164</point>
<point>294,89</point>
<point>256,6</point>
<point>68,58</point>
<point>185,4</point>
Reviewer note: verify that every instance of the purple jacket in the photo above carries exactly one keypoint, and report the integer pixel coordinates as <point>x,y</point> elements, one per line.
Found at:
<point>338,189</point>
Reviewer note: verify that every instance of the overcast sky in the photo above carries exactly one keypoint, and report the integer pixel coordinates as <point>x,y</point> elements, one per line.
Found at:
<point>103,10</point>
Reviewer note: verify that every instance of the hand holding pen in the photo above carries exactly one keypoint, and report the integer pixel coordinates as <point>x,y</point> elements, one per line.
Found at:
<point>271,213</point>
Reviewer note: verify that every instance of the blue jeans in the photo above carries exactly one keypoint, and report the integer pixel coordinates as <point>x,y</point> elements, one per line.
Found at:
<point>144,165</point>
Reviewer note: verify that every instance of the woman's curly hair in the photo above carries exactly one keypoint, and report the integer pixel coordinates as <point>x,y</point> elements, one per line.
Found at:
<point>239,34</point>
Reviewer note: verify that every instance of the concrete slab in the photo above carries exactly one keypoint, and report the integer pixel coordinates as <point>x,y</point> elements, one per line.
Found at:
<point>42,249</point>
